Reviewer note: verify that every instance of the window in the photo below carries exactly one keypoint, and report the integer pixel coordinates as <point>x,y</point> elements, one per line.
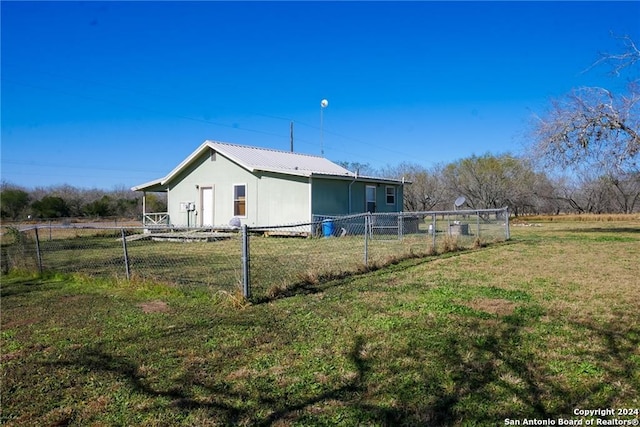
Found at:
<point>391,195</point>
<point>240,200</point>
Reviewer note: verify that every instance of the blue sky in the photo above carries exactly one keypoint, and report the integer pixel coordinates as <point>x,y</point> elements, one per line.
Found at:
<point>106,94</point>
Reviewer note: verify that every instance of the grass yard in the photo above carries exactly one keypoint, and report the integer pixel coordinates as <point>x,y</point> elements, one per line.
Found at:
<point>533,328</point>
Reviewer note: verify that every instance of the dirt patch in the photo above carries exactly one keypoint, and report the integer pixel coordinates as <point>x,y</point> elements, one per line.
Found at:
<point>500,307</point>
<point>156,306</point>
<point>20,323</point>
<point>5,357</point>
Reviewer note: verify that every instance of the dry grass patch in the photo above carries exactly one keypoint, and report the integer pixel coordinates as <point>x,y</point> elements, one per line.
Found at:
<point>582,218</point>
<point>156,306</point>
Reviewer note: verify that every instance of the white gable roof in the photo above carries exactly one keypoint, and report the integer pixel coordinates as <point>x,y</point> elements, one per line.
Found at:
<point>269,160</point>
<point>258,159</point>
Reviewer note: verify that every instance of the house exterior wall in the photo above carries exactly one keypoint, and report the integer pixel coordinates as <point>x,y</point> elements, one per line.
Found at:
<point>215,172</point>
<point>270,198</point>
<point>332,196</point>
<point>282,199</point>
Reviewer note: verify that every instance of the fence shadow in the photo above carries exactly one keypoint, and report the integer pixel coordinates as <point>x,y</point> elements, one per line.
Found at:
<point>322,282</point>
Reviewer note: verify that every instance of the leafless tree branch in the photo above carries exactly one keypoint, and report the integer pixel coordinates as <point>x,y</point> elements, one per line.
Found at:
<point>629,56</point>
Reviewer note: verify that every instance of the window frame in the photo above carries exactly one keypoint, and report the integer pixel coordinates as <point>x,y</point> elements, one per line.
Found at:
<point>237,201</point>
<point>387,195</point>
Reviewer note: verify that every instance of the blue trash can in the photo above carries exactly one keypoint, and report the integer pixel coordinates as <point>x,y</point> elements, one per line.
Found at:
<point>327,228</point>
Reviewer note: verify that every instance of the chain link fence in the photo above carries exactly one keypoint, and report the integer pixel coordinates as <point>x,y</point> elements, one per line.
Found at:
<point>184,257</point>
<point>261,262</point>
<point>341,245</point>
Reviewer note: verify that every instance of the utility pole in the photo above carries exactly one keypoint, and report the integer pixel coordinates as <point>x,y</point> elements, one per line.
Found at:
<point>323,105</point>
<point>291,136</point>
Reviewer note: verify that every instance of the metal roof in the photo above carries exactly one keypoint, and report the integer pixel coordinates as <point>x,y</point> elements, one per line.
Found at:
<point>257,159</point>
<point>269,160</point>
<point>264,160</point>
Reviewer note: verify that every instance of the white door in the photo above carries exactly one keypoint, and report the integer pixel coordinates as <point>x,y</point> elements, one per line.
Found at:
<point>206,214</point>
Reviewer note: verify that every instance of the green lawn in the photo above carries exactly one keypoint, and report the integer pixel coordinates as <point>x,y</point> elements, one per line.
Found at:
<point>532,328</point>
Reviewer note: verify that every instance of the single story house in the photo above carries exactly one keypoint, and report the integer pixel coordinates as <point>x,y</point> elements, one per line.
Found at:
<point>220,182</point>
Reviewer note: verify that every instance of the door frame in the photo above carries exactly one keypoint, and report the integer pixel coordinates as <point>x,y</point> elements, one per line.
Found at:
<point>213,198</point>
<point>366,198</point>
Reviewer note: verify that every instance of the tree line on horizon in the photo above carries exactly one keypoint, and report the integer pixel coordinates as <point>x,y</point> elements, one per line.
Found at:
<point>65,201</point>
<point>486,182</point>
<point>496,181</point>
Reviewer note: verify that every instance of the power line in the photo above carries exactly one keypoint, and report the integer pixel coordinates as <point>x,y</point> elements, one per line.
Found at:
<point>137,107</point>
<point>368,144</point>
<point>67,166</point>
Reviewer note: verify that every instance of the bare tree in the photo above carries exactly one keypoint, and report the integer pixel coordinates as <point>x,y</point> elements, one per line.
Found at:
<point>493,182</point>
<point>624,192</point>
<point>426,190</point>
<point>592,126</point>
<point>618,62</point>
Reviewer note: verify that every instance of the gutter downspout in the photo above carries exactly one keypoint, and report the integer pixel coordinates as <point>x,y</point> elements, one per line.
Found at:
<point>350,184</point>
<point>401,199</point>
<point>311,216</point>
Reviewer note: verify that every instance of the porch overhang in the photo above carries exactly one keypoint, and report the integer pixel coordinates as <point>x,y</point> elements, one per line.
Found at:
<point>156,186</point>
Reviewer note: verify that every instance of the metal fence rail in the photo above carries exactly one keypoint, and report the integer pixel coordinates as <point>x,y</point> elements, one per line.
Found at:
<point>260,262</point>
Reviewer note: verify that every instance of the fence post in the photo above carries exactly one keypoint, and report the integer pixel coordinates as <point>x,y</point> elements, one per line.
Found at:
<point>478,224</point>
<point>38,252</point>
<point>126,254</point>
<point>366,240</point>
<point>246,285</point>
<point>433,221</point>
<point>507,231</point>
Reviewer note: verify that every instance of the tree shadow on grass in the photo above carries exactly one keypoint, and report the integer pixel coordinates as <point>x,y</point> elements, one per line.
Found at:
<point>620,342</point>
<point>526,377</point>
<point>498,355</point>
<point>21,286</point>
<point>223,403</point>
